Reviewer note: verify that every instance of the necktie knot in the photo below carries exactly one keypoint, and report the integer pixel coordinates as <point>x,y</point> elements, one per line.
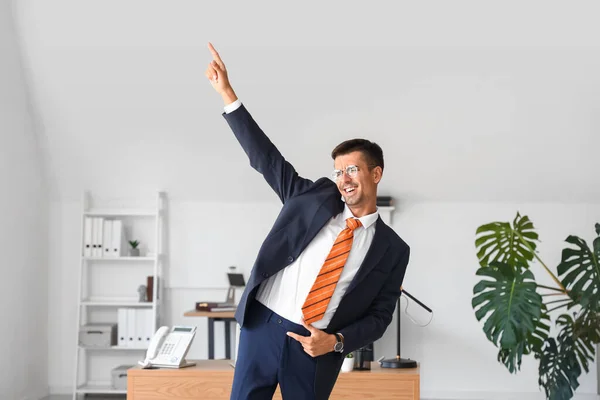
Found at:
<point>353,223</point>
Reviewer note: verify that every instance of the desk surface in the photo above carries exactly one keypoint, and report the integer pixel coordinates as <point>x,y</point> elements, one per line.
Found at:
<point>226,365</point>
<point>210,314</point>
<point>201,366</point>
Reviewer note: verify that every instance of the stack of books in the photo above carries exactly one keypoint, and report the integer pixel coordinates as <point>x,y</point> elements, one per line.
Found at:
<point>385,201</point>
<point>214,307</point>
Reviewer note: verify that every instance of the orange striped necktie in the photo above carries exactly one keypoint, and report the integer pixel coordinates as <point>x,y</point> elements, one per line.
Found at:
<point>316,302</point>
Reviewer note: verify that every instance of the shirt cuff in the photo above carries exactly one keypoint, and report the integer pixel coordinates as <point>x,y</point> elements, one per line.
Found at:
<point>233,106</point>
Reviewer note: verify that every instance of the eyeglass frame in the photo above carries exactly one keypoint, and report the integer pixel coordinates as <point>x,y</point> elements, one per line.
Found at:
<point>336,174</point>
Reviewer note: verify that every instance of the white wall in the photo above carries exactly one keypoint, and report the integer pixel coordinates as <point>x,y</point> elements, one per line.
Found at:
<point>447,85</point>
<point>456,359</point>
<point>23,232</point>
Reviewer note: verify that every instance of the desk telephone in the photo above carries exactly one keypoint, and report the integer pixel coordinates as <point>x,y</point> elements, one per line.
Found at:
<point>169,347</point>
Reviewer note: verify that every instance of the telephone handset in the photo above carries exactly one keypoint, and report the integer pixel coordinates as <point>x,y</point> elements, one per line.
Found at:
<point>169,347</point>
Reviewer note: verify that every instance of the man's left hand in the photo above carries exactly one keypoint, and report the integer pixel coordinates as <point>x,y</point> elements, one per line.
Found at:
<point>318,343</point>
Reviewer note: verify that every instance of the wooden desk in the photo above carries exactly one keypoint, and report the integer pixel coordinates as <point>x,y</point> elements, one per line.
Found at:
<point>227,317</point>
<point>212,379</point>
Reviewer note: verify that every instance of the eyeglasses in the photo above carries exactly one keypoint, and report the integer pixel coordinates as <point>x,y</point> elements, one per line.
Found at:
<point>351,171</point>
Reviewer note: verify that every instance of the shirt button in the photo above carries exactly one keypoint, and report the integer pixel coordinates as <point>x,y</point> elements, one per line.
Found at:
<point>265,275</point>
<point>290,258</point>
<point>279,321</point>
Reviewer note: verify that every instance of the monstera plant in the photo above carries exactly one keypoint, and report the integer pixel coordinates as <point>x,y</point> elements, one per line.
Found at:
<point>517,312</point>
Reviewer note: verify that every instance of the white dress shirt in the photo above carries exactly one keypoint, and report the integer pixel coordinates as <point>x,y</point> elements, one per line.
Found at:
<point>286,291</point>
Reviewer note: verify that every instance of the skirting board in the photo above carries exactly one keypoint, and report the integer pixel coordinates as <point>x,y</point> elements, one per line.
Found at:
<point>61,389</point>
<point>439,395</point>
<point>36,394</point>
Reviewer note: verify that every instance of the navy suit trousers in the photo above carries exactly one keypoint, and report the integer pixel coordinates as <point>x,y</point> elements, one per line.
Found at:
<point>267,357</point>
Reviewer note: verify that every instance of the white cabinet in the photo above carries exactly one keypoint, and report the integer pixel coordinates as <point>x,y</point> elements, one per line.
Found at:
<point>110,280</point>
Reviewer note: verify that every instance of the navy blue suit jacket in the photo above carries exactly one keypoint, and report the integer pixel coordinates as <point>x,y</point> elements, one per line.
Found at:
<point>367,307</point>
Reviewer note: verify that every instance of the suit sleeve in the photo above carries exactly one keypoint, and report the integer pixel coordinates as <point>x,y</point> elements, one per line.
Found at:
<point>264,156</point>
<point>373,325</point>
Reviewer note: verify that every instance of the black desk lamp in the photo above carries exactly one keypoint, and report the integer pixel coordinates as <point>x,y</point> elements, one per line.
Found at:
<point>235,280</point>
<point>399,362</point>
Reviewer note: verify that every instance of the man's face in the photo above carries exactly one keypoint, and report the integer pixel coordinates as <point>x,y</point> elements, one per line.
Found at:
<point>360,189</point>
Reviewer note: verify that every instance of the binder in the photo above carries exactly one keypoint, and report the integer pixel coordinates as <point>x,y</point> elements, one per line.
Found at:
<point>122,328</point>
<point>131,325</point>
<point>149,327</point>
<point>117,237</point>
<point>107,238</point>
<point>94,233</point>
<point>99,233</point>
<point>140,328</point>
<point>87,237</point>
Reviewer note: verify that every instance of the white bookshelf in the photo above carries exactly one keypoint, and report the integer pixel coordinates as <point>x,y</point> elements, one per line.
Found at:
<point>106,284</point>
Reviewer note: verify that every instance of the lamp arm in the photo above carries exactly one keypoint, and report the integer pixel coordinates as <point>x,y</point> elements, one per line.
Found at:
<point>417,301</point>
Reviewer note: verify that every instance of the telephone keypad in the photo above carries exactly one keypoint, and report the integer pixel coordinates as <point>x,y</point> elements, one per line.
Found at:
<point>167,348</point>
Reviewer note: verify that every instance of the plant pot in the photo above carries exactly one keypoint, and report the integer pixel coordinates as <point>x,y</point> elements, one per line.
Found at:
<point>348,364</point>
<point>134,252</point>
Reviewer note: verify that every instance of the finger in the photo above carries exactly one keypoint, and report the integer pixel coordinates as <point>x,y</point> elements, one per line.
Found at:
<point>310,328</point>
<point>215,54</point>
<point>299,338</point>
<point>211,73</point>
<point>220,69</point>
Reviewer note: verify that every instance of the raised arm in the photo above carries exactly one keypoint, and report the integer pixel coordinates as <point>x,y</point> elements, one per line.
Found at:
<point>262,153</point>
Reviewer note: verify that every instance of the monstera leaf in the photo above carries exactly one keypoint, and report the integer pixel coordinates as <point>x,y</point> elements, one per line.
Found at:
<point>581,271</point>
<point>510,306</point>
<point>585,331</point>
<point>511,357</point>
<point>515,318</point>
<point>542,330</point>
<point>559,369</point>
<point>501,242</point>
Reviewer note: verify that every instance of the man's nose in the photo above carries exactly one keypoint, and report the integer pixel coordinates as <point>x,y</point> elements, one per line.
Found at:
<point>346,177</point>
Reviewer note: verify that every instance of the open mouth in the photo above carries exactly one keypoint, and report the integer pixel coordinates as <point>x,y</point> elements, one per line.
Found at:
<point>349,190</point>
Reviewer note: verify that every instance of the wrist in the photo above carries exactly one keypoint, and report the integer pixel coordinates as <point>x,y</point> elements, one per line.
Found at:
<point>338,343</point>
<point>228,95</point>
<point>333,340</point>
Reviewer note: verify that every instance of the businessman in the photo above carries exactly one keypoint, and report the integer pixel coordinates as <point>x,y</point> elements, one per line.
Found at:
<point>327,276</point>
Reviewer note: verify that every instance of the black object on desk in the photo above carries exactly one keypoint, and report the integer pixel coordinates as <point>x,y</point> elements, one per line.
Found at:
<point>211,336</point>
<point>398,361</point>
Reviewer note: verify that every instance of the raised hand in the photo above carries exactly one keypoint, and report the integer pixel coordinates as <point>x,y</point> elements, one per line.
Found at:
<point>217,73</point>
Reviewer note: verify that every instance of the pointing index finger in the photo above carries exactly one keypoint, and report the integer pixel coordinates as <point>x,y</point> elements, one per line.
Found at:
<point>214,53</point>
<point>299,338</point>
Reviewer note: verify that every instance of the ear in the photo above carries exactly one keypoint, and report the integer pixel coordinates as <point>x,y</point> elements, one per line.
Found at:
<point>377,173</point>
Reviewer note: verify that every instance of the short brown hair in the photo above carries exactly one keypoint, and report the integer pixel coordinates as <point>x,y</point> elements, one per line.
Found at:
<point>371,151</point>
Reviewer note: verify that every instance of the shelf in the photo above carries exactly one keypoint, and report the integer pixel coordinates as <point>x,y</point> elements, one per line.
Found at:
<point>106,285</point>
<point>98,302</point>
<point>99,388</point>
<point>134,212</point>
<point>126,259</point>
<point>111,348</point>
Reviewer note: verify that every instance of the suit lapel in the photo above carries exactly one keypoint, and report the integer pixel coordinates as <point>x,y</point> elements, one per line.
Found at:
<point>376,250</point>
<point>328,208</point>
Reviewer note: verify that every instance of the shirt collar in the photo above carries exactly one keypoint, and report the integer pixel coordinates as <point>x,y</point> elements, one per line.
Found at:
<point>365,220</point>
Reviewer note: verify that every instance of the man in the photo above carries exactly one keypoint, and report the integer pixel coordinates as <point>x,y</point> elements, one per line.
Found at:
<point>328,275</point>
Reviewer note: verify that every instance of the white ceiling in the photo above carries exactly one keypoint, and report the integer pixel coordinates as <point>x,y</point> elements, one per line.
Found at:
<point>470,101</point>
